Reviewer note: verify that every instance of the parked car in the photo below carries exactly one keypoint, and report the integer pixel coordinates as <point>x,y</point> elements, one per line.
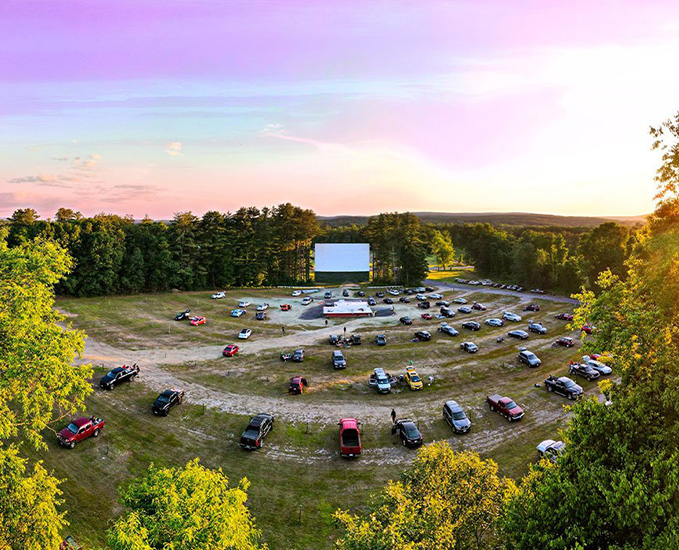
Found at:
<point>298,355</point>
<point>404,299</point>
<point>598,366</point>
<point>529,358</point>
<point>345,293</point>
<point>196,321</point>
<point>297,385</point>
<point>565,342</point>
<point>255,432</point>
<point>551,449</point>
<point>262,307</point>
<point>338,360</point>
<point>261,316</point>
<point>381,340</point>
<point>166,401</point>
<point>479,307</point>
<point>388,301</point>
<point>443,303</point>
<point>183,315</point>
<point>349,437</point>
<point>471,325</point>
<point>360,294</point>
<point>286,356</point>
<point>244,334</point>
<point>413,379</point>
<point>513,317</point>
<point>296,293</point>
<point>394,291</point>
<point>426,316</point>
<point>230,350</point>
<point>459,301</point>
<point>285,307</point>
<point>455,416</point>
<point>406,320</point>
<point>422,336</point>
<point>218,295</point>
<point>118,375</point>
<point>243,304</point>
<point>448,329</point>
<point>238,312</point>
<point>408,432</point>
<point>379,294</point>
<point>381,380</point>
<point>420,297</point>
<point>495,322</point>
<point>371,301</point>
<point>505,407</point>
<point>531,307</point>
<point>355,339</point>
<point>435,296</point>
<point>538,328</point>
<point>469,347</point>
<point>520,334</point>
<point>587,328</point>
<point>563,386</point>
<point>327,295</point>
<point>464,309</point>
<point>424,305</point>
<point>584,370</point>
<point>80,429</point>
<point>447,312</point>
<point>306,301</point>
<point>564,316</point>
<point>334,339</point>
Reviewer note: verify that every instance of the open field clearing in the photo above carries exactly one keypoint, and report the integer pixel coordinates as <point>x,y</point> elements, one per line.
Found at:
<point>299,464</point>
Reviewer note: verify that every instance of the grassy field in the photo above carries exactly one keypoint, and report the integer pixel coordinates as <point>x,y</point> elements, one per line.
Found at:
<point>299,465</point>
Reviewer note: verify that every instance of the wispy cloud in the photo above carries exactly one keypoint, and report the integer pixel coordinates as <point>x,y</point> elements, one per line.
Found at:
<point>39,179</point>
<point>174,149</point>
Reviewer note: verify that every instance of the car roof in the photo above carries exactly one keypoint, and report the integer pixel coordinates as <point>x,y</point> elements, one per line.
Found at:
<point>453,405</point>
<point>564,379</point>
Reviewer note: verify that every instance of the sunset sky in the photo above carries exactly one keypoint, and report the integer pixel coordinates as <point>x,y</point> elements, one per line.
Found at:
<point>347,107</point>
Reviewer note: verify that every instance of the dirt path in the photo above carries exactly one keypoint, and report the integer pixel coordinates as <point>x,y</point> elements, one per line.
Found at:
<point>492,290</point>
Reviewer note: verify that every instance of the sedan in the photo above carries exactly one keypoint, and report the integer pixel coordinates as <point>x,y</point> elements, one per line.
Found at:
<point>478,307</point>
<point>443,303</point>
<point>464,309</point>
<point>306,301</point>
<point>587,328</point>
<point>495,322</point>
<point>420,297</point>
<point>471,325</point>
<point>520,334</point>
<point>422,336</point>
<point>404,299</point>
<point>388,301</point>
<point>244,334</point>
<point>262,307</point>
<point>408,432</point>
<point>513,317</point>
<point>238,312</point>
<point>531,307</point>
<point>261,316</point>
<point>296,293</point>
<point>381,340</point>
<point>230,350</point>
<point>195,321</point>
<point>564,316</point>
<point>448,329</point>
<point>565,342</point>
<point>243,304</point>
<point>469,347</point>
<point>218,295</point>
<point>436,296</point>
<point>596,365</point>
<point>426,316</point>
<point>406,320</point>
<point>459,301</point>
<point>584,370</point>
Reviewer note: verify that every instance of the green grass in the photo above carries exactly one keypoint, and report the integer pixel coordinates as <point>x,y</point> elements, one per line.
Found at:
<point>300,464</point>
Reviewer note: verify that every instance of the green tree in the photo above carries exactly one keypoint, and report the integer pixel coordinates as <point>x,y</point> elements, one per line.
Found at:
<point>442,246</point>
<point>604,247</point>
<point>29,518</point>
<point>445,500</point>
<point>184,508</point>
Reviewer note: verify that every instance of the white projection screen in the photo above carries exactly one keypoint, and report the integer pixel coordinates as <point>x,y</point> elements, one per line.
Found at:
<point>338,262</point>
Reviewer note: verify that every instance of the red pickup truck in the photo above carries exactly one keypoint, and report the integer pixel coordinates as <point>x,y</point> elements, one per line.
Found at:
<point>505,406</point>
<point>79,429</point>
<point>349,437</point>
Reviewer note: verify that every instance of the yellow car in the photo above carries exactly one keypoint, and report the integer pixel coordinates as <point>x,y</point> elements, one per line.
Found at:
<point>413,379</point>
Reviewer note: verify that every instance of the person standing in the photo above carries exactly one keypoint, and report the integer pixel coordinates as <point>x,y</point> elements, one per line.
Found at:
<point>283,329</point>
<point>326,322</point>
<point>393,416</point>
<point>345,330</point>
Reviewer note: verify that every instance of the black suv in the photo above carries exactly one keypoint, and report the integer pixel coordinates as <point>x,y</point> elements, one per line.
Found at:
<point>406,320</point>
<point>166,401</point>
<point>424,305</point>
<point>408,432</point>
<point>564,386</point>
<point>471,325</point>
<point>258,428</point>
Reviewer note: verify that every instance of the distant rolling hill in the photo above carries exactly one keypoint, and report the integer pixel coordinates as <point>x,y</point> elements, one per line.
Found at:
<point>497,218</point>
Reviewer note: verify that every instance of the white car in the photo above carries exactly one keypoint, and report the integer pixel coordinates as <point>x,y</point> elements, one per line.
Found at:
<point>494,322</point>
<point>296,292</point>
<point>238,312</point>
<point>306,301</point>
<point>218,295</point>
<point>420,297</point>
<point>262,307</point>
<point>601,368</point>
<point>243,304</point>
<point>244,334</point>
<point>459,301</point>
<point>436,296</point>
<point>420,289</point>
<point>393,292</point>
<point>551,449</point>
<point>513,317</point>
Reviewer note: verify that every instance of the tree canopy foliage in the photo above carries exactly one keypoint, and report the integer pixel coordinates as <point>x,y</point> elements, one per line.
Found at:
<point>445,500</point>
<point>190,508</point>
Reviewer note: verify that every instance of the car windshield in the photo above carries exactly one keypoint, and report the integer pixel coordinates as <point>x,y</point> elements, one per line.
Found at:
<point>112,373</point>
<point>411,431</point>
<point>72,428</point>
<point>163,398</point>
<point>459,415</point>
<point>568,383</point>
<point>511,405</point>
<point>531,356</point>
<point>415,378</point>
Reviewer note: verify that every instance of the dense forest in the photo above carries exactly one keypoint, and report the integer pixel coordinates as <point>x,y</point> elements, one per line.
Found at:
<point>273,246</point>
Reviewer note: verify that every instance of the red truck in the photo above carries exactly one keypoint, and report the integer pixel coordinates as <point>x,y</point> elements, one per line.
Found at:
<point>505,406</point>
<point>79,429</point>
<point>349,437</point>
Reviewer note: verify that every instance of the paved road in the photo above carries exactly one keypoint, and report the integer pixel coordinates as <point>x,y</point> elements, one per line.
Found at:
<point>504,291</point>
